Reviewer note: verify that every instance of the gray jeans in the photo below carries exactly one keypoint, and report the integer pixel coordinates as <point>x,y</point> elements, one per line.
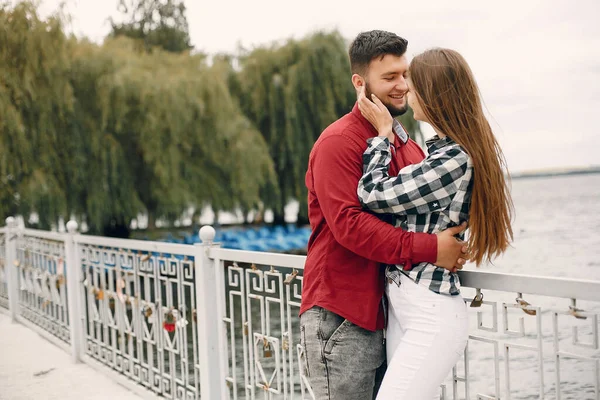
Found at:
<point>341,361</point>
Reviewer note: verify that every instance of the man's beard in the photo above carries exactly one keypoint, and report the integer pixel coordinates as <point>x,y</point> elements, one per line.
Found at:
<point>394,111</point>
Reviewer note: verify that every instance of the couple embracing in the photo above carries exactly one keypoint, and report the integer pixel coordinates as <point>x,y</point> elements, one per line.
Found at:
<point>381,315</point>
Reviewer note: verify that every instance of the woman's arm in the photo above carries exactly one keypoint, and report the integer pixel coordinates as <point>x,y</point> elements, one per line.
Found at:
<point>418,189</point>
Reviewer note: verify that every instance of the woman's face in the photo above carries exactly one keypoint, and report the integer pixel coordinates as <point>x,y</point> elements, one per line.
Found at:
<point>413,103</point>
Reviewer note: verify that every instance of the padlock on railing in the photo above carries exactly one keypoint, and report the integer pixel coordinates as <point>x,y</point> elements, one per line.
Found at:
<point>478,299</point>
<point>524,306</point>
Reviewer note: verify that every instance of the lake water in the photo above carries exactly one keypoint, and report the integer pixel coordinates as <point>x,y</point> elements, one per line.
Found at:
<point>556,228</point>
<point>556,234</point>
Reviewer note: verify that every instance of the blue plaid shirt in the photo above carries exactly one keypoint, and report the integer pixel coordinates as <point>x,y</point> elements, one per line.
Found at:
<point>426,197</point>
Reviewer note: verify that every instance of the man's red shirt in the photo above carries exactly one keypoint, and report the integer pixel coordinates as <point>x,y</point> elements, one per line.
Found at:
<point>343,271</point>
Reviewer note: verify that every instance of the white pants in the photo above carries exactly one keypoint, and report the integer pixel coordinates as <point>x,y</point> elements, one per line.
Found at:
<point>426,335</point>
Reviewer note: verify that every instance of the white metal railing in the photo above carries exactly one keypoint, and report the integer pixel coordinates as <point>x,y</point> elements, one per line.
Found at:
<point>40,266</point>
<point>139,300</point>
<point>185,322</point>
<point>530,337</point>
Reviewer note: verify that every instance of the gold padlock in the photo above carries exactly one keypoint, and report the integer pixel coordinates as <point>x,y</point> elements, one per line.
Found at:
<point>477,300</point>
<point>523,305</point>
<point>60,279</point>
<point>268,353</point>
<point>574,311</point>
<point>291,277</point>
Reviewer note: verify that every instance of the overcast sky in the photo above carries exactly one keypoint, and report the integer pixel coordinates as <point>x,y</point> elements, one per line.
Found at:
<point>537,61</point>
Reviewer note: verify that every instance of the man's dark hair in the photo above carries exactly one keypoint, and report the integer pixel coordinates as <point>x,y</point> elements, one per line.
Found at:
<point>370,45</point>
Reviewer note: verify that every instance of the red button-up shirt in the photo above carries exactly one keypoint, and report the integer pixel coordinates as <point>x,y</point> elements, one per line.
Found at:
<point>343,271</point>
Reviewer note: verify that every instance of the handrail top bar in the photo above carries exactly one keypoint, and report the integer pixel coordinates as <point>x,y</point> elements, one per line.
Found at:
<point>56,236</point>
<point>513,283</point>
<point>255,257</point>
<point>135,245</point>
<point>567,288</point>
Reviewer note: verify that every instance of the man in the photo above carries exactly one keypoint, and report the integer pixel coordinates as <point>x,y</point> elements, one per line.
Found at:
<point>342,316</point>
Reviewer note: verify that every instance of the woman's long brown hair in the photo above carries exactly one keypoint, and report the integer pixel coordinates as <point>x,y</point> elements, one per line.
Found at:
<point>448,94</point>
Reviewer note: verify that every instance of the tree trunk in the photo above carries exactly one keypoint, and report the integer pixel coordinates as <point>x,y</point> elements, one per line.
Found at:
<point>151,221</point>
<point>279,217</point>
<point>117,227</point>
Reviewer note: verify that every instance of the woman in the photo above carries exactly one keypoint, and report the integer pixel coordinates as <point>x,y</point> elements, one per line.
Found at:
<point>462,179</point>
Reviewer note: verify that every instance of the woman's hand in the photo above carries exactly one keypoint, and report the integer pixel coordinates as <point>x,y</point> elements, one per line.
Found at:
<point>377,114</point>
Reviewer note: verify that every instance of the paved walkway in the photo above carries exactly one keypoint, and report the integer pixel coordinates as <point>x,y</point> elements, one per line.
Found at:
<point>32,368</point>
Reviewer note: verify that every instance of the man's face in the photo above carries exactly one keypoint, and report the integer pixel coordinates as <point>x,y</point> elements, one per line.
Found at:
<point>386,79</point>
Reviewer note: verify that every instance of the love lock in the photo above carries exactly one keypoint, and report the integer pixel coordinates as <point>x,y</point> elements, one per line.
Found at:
<point>523,304</point>
<point>60,280</point>
<point>170,320</point>
<point>285,345</point>
<point>478,299</point>
<point>147,311</point>
<point>99,294</point>
<point>267,352</point>
<point>291,277</point>
<point>574,311</point>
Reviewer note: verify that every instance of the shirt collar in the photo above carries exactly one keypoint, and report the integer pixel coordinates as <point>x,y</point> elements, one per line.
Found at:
<point>396,126</point>
<point>399,131</point>
<point>436,143</point>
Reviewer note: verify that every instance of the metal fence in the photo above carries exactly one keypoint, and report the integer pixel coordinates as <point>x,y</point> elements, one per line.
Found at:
<point>188,322</point>
<point>41,275</point>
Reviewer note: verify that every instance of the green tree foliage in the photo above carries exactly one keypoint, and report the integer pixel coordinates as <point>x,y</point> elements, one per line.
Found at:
<point>292,92</point>
<point>108,132</point>
<point>36,101</point>
<point>167,131</point>
<point>155,23</point>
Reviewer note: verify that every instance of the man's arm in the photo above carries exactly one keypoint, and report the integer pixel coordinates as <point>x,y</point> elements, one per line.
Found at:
<point>420,188</point>
<point>336,170</point>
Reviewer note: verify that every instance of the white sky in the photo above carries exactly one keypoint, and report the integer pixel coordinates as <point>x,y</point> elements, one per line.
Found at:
<point>537,61</point>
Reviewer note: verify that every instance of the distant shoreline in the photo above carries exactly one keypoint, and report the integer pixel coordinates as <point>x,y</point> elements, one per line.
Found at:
<point>552,173</point>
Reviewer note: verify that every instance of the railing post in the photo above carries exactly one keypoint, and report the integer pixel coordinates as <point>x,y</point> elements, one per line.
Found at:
<point>73,273</point>
<point>212,380</point>
<point>12,273</point>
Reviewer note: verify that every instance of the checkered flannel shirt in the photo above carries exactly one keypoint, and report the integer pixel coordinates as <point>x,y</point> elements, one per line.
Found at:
<point>426,197</point>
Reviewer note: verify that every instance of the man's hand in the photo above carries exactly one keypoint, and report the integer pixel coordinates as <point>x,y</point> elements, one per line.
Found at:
<point>451,252</point>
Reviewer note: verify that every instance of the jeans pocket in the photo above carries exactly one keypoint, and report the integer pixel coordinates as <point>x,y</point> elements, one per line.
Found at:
<point>336,336</point>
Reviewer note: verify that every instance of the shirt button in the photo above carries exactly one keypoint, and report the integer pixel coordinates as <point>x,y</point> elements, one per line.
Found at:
<point>390,280</point>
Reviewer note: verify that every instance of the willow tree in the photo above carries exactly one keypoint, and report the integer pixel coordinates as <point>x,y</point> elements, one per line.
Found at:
<point>36,101</point>
<point>163,134</point>
<point>291,92</point>
<point>156,23</point>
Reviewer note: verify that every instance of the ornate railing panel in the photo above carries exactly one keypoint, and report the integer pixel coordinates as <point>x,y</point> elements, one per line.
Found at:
<point>140,312</point>
<point>521,346</point>
<point>41,280</point>
<point>261,324</point>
